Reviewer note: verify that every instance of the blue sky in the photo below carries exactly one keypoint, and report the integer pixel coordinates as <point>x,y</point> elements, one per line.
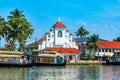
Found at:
<point>98,16</point>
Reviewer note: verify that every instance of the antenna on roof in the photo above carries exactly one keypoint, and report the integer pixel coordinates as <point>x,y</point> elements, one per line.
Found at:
<point>59,19</point>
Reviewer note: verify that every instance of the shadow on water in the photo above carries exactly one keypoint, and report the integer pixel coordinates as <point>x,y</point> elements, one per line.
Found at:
<point>82,72</point>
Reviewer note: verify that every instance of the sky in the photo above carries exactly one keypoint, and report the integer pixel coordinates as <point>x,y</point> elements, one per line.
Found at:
<point>100,17</point>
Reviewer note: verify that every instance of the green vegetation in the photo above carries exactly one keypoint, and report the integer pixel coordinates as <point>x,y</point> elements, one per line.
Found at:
<point>117,39</point>
<point>16,29</point>
<point>89,56</point>
<point>93,44</point>
<point>82,33</point>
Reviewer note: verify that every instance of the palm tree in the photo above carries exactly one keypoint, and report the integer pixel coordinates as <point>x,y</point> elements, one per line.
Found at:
<point>26,31</point>
<point>2,27</point>
<point>16,14</point>
<point>82,33</point>
<point>93,45</point>
<point>19,29</point>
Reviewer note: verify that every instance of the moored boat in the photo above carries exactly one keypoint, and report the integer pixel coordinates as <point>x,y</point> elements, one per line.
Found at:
<point>115,60</point>
<point>14,59</point>
<point>50,59</point>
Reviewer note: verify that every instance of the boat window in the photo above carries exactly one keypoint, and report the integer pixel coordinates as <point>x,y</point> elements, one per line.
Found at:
<point>51,53</point>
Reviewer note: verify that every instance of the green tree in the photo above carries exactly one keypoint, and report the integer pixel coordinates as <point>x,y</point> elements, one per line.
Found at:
<point>2,25</point>
<point>117,39</point>
<point>93,45</point>
<point>2,28</point>
<point>82,33</point>
<point>19,29</point>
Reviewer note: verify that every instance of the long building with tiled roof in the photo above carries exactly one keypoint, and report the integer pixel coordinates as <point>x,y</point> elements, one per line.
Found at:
<point>107,49</point>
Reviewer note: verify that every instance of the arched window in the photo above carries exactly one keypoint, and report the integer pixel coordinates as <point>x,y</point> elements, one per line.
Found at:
<point>59,33</point>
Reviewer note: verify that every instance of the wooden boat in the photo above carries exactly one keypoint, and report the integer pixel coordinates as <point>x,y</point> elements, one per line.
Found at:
<point>115,60</point>
<point>50,59</point>
<point>14,59</point>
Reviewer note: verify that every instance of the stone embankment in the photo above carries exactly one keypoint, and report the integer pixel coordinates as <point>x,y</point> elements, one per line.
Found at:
<point>86,62</point>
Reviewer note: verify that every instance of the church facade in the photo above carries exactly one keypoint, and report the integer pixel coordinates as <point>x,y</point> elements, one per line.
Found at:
<point>57,39</point>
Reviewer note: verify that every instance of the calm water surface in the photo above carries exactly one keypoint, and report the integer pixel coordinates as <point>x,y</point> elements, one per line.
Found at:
<point>82,72</point>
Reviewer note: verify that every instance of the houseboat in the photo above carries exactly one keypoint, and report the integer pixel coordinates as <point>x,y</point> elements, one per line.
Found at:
<point>115,59</point>
<point>50,58</point>
<point>14,59</point>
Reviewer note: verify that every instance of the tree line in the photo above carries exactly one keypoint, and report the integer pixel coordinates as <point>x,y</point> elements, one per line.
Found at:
<point>16,29</point>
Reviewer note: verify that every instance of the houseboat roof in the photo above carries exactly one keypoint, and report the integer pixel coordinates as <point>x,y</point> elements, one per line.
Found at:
<point>6,55</point>
<point>51,54</point>
<point>11,52</point>
<point>36,50</point>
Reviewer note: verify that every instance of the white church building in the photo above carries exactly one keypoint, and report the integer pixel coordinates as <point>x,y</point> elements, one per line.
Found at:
<point>57,39</point>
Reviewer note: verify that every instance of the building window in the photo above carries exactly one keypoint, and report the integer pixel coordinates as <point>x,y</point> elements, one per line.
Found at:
<point>109,50</point>
<point>106,50</point>
<point>102,50</point>
<point>99,50</point>
<point>59,33</point>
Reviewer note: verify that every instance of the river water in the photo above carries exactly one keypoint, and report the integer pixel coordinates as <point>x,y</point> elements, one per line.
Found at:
<point>81,72</point>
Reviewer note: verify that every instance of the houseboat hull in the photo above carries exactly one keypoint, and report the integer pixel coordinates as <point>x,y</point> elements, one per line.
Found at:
<point>15,65</point>
<point>49,64</point>
<point>112,63</point>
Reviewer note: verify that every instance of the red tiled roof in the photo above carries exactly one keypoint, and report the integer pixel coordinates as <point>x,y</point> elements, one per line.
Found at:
<point>47,33</point>
<point>109,44</point>
<point>39,42</point>
<point>70,34</point>
<point>8,44</point>
<point>77,44</point>
<point>43,39</point>
<point>67,30</point>
<point>73,40</point>
<point>64,50</point>
<point>59,25</point>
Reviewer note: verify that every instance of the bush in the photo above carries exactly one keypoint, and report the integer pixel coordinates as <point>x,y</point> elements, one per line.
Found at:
<point>89,56</point>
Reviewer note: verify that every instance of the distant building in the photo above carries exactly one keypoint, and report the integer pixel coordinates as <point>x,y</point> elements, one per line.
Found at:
<point>57,38</point>
<point>108,49</point>
<point>84,41</point>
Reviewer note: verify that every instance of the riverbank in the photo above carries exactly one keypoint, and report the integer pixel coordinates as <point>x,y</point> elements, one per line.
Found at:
<point>87,62</point>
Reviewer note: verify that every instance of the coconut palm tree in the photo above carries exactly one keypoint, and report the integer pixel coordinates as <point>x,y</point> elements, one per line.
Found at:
<point>26,31</point>
<point>19,29</point>
<point>16,14</point>
<point>2,27</point>
<point>2,24</point>
<point>93,45</point>
<point>82,33</point>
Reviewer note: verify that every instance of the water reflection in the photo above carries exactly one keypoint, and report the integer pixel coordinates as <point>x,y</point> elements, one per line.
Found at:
<point>82,72</point>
